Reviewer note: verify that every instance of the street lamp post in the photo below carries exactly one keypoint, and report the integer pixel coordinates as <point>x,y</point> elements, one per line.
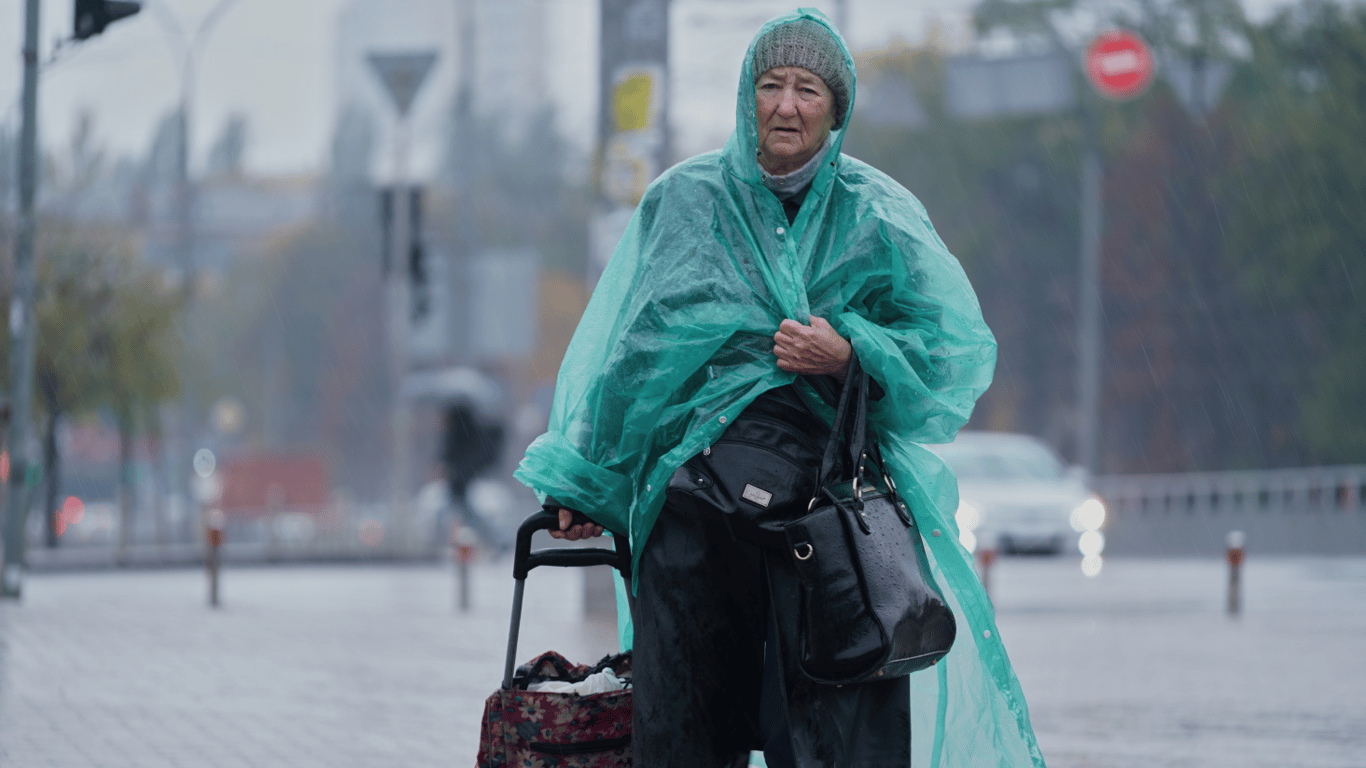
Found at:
<point>21,321</point>
<point>90,20</point>
<point>185,50</point>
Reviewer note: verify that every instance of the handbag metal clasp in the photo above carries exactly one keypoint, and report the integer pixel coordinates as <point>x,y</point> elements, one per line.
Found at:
<point>797,551</point>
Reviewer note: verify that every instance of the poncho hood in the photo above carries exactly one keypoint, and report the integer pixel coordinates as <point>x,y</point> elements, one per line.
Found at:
<point>678,339</point>
<point>742,149</point>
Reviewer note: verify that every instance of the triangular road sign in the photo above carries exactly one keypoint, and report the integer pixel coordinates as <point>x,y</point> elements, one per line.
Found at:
<point>403,75</point>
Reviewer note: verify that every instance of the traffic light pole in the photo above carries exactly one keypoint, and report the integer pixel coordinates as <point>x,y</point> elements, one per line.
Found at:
<point>400,314</point>
<point>185,48</point>
<point>1090,334</point>
<point>402,74</point>
<point>1090,338</point>
<point>21,322</point>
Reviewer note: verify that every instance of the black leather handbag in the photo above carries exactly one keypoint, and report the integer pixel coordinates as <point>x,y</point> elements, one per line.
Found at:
<point>869,607</point>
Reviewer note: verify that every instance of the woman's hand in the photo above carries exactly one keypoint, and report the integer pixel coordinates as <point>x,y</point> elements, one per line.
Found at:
<point>814,349</point>
<point>573,532</point>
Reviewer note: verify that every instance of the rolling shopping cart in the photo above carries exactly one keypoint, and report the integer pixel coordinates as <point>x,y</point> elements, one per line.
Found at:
<point>531,719</point>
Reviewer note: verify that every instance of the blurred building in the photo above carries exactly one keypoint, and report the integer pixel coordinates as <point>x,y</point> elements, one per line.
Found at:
<point>500,49</point>
<point>233,214</point>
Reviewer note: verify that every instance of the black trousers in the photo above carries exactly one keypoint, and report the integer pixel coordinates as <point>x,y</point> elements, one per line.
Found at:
<point>711,676</point>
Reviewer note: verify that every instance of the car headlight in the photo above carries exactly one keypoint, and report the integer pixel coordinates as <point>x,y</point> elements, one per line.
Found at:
<point>1088,516</point>
<point>1091,543</point>
<point>1090,566</point>
<point>967,516</point>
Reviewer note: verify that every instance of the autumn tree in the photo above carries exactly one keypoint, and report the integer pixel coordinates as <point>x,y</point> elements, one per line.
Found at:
<point>1296,236</point>
<point>106,343</point>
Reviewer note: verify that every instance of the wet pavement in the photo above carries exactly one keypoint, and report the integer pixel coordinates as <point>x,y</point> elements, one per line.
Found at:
<point>373,665</point>
<point>1142,666</point>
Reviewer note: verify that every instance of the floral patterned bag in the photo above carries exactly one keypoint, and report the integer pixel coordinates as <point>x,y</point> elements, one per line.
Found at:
<point>559,730</point>
<point>547,729</point>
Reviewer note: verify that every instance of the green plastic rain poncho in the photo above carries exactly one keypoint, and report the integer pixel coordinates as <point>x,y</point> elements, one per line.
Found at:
<point>678,339</point>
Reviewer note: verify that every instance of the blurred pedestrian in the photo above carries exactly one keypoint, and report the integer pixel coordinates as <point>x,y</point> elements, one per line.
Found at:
<point>744,283</point>
<point>471,444</point>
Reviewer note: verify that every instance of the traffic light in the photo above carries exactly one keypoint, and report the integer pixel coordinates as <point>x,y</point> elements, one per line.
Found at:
<point>419,277</point>
<point>386,229</point>
<point>92,16</point>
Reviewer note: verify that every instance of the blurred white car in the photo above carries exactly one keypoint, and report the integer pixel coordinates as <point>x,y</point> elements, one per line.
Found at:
<point>1015,493</point>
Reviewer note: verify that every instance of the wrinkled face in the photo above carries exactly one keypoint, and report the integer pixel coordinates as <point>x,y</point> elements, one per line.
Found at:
<point>795,112</point>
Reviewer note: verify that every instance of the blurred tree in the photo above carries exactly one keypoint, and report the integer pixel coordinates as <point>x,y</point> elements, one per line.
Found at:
<point>514,191</point>
<point>106,342</point>
<point>520,191</point>
<point>1234,332</point>
<point>86,160</point>
<point>296,333</point>
<point>1002,194</point>
<point>351,192</point>
<point>1296,235</point>
<point>1189,385</point>
<point>9,147</point>
<point>1206,329</point>
<point>225,158</point>
<point>161,156</point>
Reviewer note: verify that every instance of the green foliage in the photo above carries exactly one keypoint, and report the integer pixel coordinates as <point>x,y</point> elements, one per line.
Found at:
<point>1003,195</point>
<point>107,337</point>
<point>1296,235</point>
<point>1233,246</point>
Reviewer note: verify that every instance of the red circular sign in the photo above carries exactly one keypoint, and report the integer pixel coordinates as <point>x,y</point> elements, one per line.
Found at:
<point>1119,64</point>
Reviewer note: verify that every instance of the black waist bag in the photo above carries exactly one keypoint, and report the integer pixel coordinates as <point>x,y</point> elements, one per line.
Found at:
<point>761,472</point>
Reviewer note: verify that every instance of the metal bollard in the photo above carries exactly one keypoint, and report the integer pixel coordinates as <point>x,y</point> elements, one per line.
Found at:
<point>1235,554</point>
<point>985,557</point>
<point>213,523</point>
<point>463,540</point>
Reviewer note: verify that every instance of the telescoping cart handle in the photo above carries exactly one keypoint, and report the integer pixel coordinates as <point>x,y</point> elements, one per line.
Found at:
<point>566,557</point>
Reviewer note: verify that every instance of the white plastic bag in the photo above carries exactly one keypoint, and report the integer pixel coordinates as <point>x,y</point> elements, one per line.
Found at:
<point>598,682</point>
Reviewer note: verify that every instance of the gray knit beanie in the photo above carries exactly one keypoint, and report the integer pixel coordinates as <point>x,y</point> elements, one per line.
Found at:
<point>806,43</point>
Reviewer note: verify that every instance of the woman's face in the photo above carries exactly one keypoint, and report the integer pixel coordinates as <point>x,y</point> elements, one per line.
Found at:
<point>795,111</point>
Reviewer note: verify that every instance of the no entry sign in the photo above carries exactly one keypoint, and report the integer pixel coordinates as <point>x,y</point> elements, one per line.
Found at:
<point>1119,65</point>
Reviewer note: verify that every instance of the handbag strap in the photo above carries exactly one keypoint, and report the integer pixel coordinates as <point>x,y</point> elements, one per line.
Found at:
<point>851,422</point>
<point>850,425</point>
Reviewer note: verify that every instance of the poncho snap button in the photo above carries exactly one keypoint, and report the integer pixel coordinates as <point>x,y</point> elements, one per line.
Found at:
<point>935,534</point>
<point>723,419</point>
<point>781,230</point>
<point>986,633</point>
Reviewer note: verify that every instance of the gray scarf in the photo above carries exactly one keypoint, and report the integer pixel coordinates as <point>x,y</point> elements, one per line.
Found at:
<point>789,184</point>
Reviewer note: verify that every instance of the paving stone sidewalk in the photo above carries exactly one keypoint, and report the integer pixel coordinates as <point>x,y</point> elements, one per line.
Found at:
<point>301,667</point>
<point>372,666</point>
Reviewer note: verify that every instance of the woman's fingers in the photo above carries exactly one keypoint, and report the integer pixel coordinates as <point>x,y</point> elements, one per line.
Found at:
<point>571,532</point>
<point>812,349</point>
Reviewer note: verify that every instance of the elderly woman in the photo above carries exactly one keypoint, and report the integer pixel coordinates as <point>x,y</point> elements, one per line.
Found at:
<point>726,318</point>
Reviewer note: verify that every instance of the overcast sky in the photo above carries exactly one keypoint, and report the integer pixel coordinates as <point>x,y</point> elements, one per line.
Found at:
<point>273,60</point>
